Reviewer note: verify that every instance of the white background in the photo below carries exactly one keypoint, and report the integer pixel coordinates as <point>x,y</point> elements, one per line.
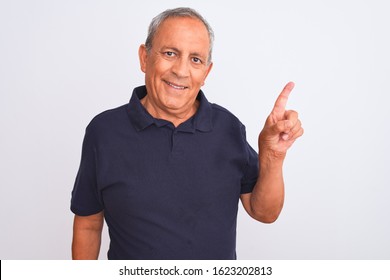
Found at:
<point>63,62</point>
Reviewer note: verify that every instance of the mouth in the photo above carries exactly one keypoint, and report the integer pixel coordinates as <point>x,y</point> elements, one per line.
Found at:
<point>175,86</point>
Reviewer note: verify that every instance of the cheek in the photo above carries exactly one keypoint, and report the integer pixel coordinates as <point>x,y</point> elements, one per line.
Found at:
<point>160,66</point>
<point>201,77</point>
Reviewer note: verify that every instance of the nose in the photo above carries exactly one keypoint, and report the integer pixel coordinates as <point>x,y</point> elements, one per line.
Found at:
<point>181,68</point>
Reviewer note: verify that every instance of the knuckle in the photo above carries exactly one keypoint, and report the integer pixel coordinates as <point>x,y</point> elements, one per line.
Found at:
<point>293,113</point>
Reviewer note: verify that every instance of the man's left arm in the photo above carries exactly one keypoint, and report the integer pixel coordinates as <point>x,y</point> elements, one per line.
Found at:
<point>280,131</point>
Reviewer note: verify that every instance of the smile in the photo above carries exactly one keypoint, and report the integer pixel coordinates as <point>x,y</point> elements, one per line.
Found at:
<point>176,86</point>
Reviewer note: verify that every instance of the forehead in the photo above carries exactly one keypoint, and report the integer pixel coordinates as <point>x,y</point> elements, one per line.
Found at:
<point>184,32</point>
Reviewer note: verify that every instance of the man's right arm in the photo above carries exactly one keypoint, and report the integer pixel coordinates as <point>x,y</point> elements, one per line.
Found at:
<point>87,232</point>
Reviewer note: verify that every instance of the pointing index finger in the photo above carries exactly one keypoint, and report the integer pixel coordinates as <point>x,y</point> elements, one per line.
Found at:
<point>281,102</point>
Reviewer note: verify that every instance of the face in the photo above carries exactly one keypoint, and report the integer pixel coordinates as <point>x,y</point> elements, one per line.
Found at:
<point>176,67</point>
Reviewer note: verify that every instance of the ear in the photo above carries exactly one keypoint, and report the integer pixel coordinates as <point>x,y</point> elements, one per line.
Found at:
<point>209,67</point>
<point>143,56</point>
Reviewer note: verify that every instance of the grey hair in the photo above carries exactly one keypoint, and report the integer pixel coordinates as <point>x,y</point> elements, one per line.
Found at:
<point>178,12</point>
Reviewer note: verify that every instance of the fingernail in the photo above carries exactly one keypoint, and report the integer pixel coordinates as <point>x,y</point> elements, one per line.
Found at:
<point>285,136</point>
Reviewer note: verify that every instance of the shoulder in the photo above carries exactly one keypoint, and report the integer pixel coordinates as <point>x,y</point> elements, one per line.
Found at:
<point>223,115</point>
<point>219,109</point>
<point>109,119</point>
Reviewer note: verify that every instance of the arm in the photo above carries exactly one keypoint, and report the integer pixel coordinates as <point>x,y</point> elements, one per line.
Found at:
<point>280,131</point>
<point>87,232</point>
<point>265,202</point>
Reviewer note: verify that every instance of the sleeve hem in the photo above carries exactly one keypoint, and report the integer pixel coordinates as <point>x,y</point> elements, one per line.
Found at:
<point>85,212</point>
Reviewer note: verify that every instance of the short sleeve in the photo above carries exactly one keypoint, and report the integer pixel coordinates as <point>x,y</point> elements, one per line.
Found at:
<point>85,196</point>
<point>251,170</point>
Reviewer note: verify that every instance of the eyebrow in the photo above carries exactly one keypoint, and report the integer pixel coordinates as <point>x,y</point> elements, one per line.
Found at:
<point>178,51</point>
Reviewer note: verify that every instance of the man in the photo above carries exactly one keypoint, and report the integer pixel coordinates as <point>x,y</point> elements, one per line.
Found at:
<point>167,170</point>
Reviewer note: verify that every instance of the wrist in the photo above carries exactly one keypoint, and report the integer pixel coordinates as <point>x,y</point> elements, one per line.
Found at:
<point>270,159</point>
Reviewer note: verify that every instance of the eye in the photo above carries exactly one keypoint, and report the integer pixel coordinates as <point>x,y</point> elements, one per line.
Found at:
<point>170,54</point>
<point>196,60</point>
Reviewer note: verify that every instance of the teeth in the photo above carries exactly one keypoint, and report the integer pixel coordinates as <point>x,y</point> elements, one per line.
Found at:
<point>174,86</point>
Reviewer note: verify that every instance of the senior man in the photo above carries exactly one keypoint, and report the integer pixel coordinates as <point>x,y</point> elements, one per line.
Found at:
<point>166,171</point>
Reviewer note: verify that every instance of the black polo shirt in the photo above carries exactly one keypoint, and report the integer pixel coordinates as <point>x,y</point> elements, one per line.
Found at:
<point>166,192</point>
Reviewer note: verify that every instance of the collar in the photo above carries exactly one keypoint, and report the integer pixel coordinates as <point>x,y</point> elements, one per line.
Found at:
<point>141,119</point>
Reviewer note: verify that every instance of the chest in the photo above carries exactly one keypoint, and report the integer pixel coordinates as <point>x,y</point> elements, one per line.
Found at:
<point>165,169</point>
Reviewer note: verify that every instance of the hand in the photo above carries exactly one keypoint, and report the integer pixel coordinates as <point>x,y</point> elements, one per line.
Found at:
<point>281,128</point>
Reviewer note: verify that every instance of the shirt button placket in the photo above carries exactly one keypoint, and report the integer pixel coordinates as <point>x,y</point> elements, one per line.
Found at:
<point>174,141</point>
